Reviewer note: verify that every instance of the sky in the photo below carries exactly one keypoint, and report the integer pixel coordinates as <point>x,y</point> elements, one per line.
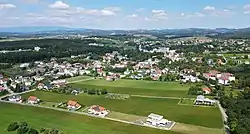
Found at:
<point>126,14</point>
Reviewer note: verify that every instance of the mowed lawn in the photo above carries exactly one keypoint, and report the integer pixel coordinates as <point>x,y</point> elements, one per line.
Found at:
<point>137,87</point>
<point>69,123</point>
<point>169,108</point>
<point>78,78</point>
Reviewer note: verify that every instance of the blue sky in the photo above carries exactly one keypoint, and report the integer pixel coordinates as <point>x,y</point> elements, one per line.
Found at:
<point>126,14</point>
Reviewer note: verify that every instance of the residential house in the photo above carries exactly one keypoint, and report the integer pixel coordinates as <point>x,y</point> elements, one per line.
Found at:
<point>59,83</point>
<point>98,110</point>
<point>201,100</point>
<point>2,88</point>
<point>189,78</point>
<point>73,105</point>
<point>13,84</point>
<point>110,78</point>
<point>15,98</point>
<point>156,120</point>
<point>225,78</point>
<point>27,83</point>
<point>3,81</point>
<point>24,65</point>
<point>38,78</point>
<point>127,72</point>
<point>206,90</point>
<point>33,100</point>
<point>40,86</point>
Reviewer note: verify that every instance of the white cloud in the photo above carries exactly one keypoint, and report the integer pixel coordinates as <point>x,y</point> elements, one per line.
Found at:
<point>247,12</point>
<point>114,9</point>
<point>106,12</point>
<point>59,5</point>
<point>247,7</point>
<point>193,15</point>
<point>6,6</point>
<point>133,16</point>
<point>159,14</point>
<point>140,9</point>
<point>199,15</point>
<point>31,1</point>
<point>209,8</point>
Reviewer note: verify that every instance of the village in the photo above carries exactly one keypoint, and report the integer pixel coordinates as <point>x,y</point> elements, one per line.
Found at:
<point>58,76</point>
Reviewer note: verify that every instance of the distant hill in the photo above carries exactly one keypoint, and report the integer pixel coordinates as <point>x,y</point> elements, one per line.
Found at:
<point>34,29</point>
<point>218,32</point>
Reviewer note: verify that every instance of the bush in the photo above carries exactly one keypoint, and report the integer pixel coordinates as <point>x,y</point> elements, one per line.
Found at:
<point>13,126</point>
<point>33,131</point>
<point>46,131</point>
<point>104,91</point>
<point>194,90</point>
<point>22,130</point>
<point>23,124</point>
<point>42,130</point>
<point>54,131</point>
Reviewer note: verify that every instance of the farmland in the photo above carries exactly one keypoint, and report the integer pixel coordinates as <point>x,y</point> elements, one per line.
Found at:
<point>67,122</point>
<point>153,88</point>
<point>79,78</point>
<point>169,108</point>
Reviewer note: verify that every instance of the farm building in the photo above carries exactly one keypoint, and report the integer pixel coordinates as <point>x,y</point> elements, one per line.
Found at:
<point>201,100</point>
<point>157,120</point>
<point>98,110</point>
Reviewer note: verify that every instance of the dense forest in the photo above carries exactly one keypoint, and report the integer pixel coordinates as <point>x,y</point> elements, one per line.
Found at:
<point>49,48</point>
<point>237,104</point>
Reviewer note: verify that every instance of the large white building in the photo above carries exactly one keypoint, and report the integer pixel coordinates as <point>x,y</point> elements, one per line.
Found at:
<point>157,120</point>
<point>201,100</point>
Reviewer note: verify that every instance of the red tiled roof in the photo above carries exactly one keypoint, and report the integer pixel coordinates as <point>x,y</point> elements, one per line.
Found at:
<point>224,78</point>
<point>73,103</point>
<point>97,108</point>
<point>206,89</point>
<point>32,98</point>
<point>40,84</point>
<point>2,88</point>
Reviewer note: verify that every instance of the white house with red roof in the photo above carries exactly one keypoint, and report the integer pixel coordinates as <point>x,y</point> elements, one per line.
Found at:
<point>206,90</point>
<point>73,105</point>
<point>33,100</point>
<point>223,78</point>
<point>40,86</point>
<point>3,80</point>
<point>2,88</point>
<point>98,110</point>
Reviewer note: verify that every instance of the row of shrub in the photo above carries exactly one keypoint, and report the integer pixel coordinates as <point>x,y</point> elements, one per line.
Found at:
<point>23,128</point>
<point>95,91</point>
<point>69,90</point>
<point>115,96</point>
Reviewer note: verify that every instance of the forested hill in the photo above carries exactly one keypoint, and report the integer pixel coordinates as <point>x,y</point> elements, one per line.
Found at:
<point>49,48</point>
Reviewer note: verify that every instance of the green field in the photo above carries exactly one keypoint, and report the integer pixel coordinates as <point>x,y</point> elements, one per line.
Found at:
<point>137,87</point>
<point>235,55</point>
<point>72,79</point>
<point>67,122</point>
<point>169,108</point>
<point>238,56</point>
